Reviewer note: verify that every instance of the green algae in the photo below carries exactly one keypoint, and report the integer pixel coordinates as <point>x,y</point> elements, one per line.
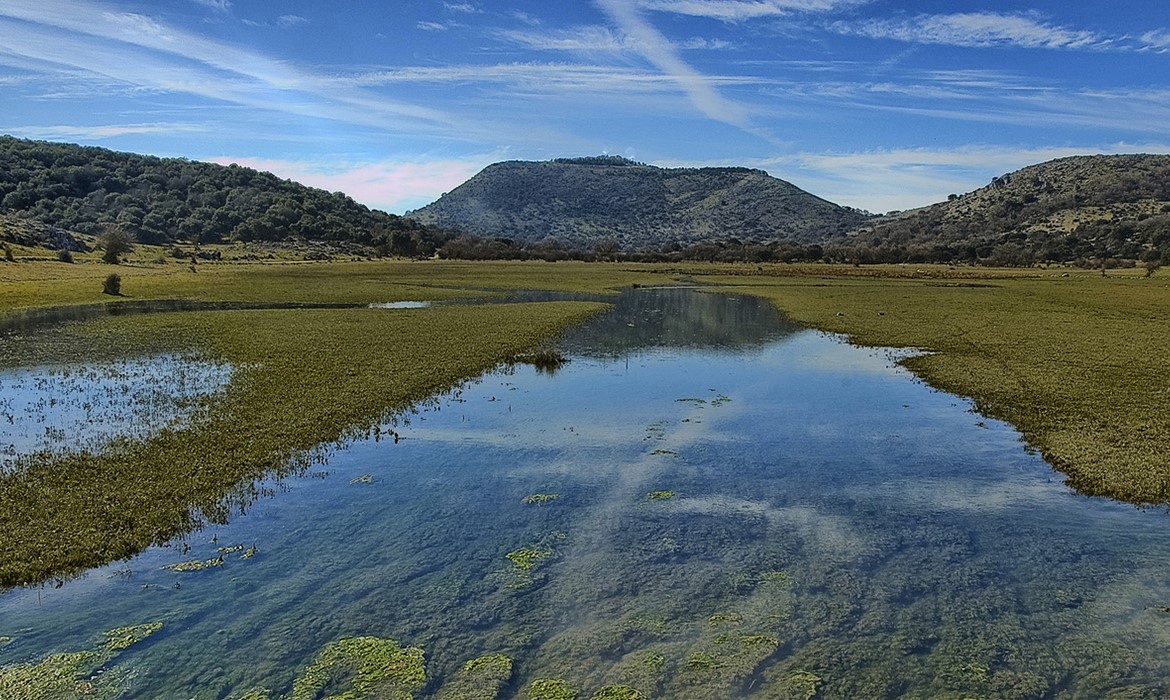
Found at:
<point>660,495</point>
<point>539,499</point>
<point>617,692</point>
<point>78,674</point>
<point>5,640</point>
<point>482,678</point>
<point>527,558</point>
<point>551,689</point>
<point>195,565</point>
<point>362,668</point>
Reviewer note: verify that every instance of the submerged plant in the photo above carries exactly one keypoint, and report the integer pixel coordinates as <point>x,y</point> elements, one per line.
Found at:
<point>76,674</point>
<point>526,558</point>
<point>663,495</point>
<point>551,689</point>
<point>367,667</point>
<point>481,678</point>
<point>539,499</point>
<point>617,692</point>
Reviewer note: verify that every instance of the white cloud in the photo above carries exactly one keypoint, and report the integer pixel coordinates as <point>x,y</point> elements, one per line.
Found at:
<point>99,132</point>
<point>431,26</point>
<point>140,51</point>
<point>740,10</point>
<point>659,51</point>
<point>977,30</point>
<point>218,5</point>
<point>1158,39</point>
<point>464,7</point>
<point>391,185</point>
<point>585,39</point>
<point>287,21</point>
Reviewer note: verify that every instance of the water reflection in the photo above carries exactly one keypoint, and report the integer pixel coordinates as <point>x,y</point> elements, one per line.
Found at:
<point>738,513</point>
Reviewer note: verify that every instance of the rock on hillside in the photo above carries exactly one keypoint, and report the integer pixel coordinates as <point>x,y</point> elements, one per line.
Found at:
<point>1115,206</point>
<point>586,201</point>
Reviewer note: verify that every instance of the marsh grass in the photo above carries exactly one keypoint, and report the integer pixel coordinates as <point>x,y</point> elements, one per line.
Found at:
<point>305,378</point>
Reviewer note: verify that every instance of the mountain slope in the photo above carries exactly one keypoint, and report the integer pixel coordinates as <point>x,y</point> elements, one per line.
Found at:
<point>160,200</point>
<point>1081,207</point>
<point>585,201</point>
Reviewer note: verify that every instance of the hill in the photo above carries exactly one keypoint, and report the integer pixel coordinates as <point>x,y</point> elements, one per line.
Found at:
<point>56,186</point>
<point>608,200</point>
<point>1081,208</point>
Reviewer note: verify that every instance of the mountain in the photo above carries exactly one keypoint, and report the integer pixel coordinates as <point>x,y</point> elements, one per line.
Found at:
<point>1077,208</point>
<point>159,200</point>
<point>583,202</point>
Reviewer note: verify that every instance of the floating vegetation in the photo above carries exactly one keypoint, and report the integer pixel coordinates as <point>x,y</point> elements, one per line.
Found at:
<point>195,564</point>
<point>363,479</point>
<point>539,499</point>
<point>230,550</point>
<point>526,558</point>
<point>663,495</point>
<point>720,400</point>
<point>77,674</point>
<point>5,640</point>
<point>695,400</point>
<point>551,689</point>
<point>363,667</point>
<point>668,453</point>
<point>249,552</point>
<point>482,678</point>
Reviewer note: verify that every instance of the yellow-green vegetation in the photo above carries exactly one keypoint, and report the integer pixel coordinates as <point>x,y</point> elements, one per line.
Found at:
<point>195,564</point>
<point>482,678</point>
<point>539,499</point>
<point>617,692</point>
<point>660,495</point>
<point>367,667</point>
<point>304,377</point>
<point>77,674</point>
<point>551,689</point>
<point>526,558</point>
<point>1078,363</point>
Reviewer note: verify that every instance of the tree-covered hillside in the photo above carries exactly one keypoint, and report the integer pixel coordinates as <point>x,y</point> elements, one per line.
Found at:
<point>613,202</point>
<point>161,200</point>
<point>1082,208</point>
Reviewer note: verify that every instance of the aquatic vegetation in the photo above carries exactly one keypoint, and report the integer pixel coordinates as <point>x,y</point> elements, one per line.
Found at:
<point>363,479</point>
<point>617,692</point>
<point>663,495</point>
<point>526,558</point>
<point>5,640</point>
<point>720,400</point>
<point>77,674</point>
<point>195,564</point>
<point>482,678</point>
<point>545,360</point>
<point>539,499</point>
<point>550,689</point>
<point>290,394</point>
<point>668,453</point>
<point>365,667</point>
<point>695,400</point>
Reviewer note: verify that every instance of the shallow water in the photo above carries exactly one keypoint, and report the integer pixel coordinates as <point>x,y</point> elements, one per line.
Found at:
<point>820,521</point>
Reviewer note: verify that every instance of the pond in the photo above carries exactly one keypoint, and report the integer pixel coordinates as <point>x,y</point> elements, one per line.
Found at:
<point>706,502</point>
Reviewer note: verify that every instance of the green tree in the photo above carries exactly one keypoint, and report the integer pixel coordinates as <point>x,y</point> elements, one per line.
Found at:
<point>116,243</point>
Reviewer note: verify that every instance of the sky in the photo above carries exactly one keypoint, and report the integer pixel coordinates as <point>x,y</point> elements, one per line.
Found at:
<point>872,104</point>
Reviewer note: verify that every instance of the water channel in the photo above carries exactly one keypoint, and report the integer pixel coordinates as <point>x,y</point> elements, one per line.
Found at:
<point>706,502</point>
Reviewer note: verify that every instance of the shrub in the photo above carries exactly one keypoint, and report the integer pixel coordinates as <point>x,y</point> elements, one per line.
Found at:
<point>113,285</point>
<point>65,255</point>
<point>8,254</point>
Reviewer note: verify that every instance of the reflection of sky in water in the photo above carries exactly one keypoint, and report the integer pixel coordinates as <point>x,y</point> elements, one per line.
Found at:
<point>892,544</point>
<point>58,409</point>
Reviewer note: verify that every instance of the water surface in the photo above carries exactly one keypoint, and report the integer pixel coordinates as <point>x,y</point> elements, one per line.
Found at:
<point>742,509</point>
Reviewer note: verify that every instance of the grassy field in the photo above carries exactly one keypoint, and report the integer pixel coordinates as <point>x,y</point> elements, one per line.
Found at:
<point>1079,363</point>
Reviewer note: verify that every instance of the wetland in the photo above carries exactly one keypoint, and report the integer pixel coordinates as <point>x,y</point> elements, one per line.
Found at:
<point>706,500</point>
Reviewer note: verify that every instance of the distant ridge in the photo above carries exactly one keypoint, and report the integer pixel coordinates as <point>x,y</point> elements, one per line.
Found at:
<point>584,202</point>
<point>1077,208</point>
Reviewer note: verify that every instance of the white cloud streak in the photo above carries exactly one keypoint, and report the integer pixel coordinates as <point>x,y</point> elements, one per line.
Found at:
<point>135,49</point>
<point>977,30</point>
<point>742,10</point>
<point>657,49</point>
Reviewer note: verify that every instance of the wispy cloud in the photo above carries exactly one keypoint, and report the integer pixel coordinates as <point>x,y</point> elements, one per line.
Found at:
<point>1158,40</point>
<point>977,30</point>
<point>464,7</point>
<point>584,39</point>
<point>657,49</point>
<point>392,185</point>
<point>287,21</point>
<point>99,132</point>
<point>740,10</point>
<point>141,51</point>
<point>218,5</point>
<point>431,26</point>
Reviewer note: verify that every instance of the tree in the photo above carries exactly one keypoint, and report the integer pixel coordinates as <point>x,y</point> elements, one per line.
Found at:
<point>116,243</point>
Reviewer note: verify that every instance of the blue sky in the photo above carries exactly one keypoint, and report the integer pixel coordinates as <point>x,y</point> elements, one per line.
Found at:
<point>869,103</point>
